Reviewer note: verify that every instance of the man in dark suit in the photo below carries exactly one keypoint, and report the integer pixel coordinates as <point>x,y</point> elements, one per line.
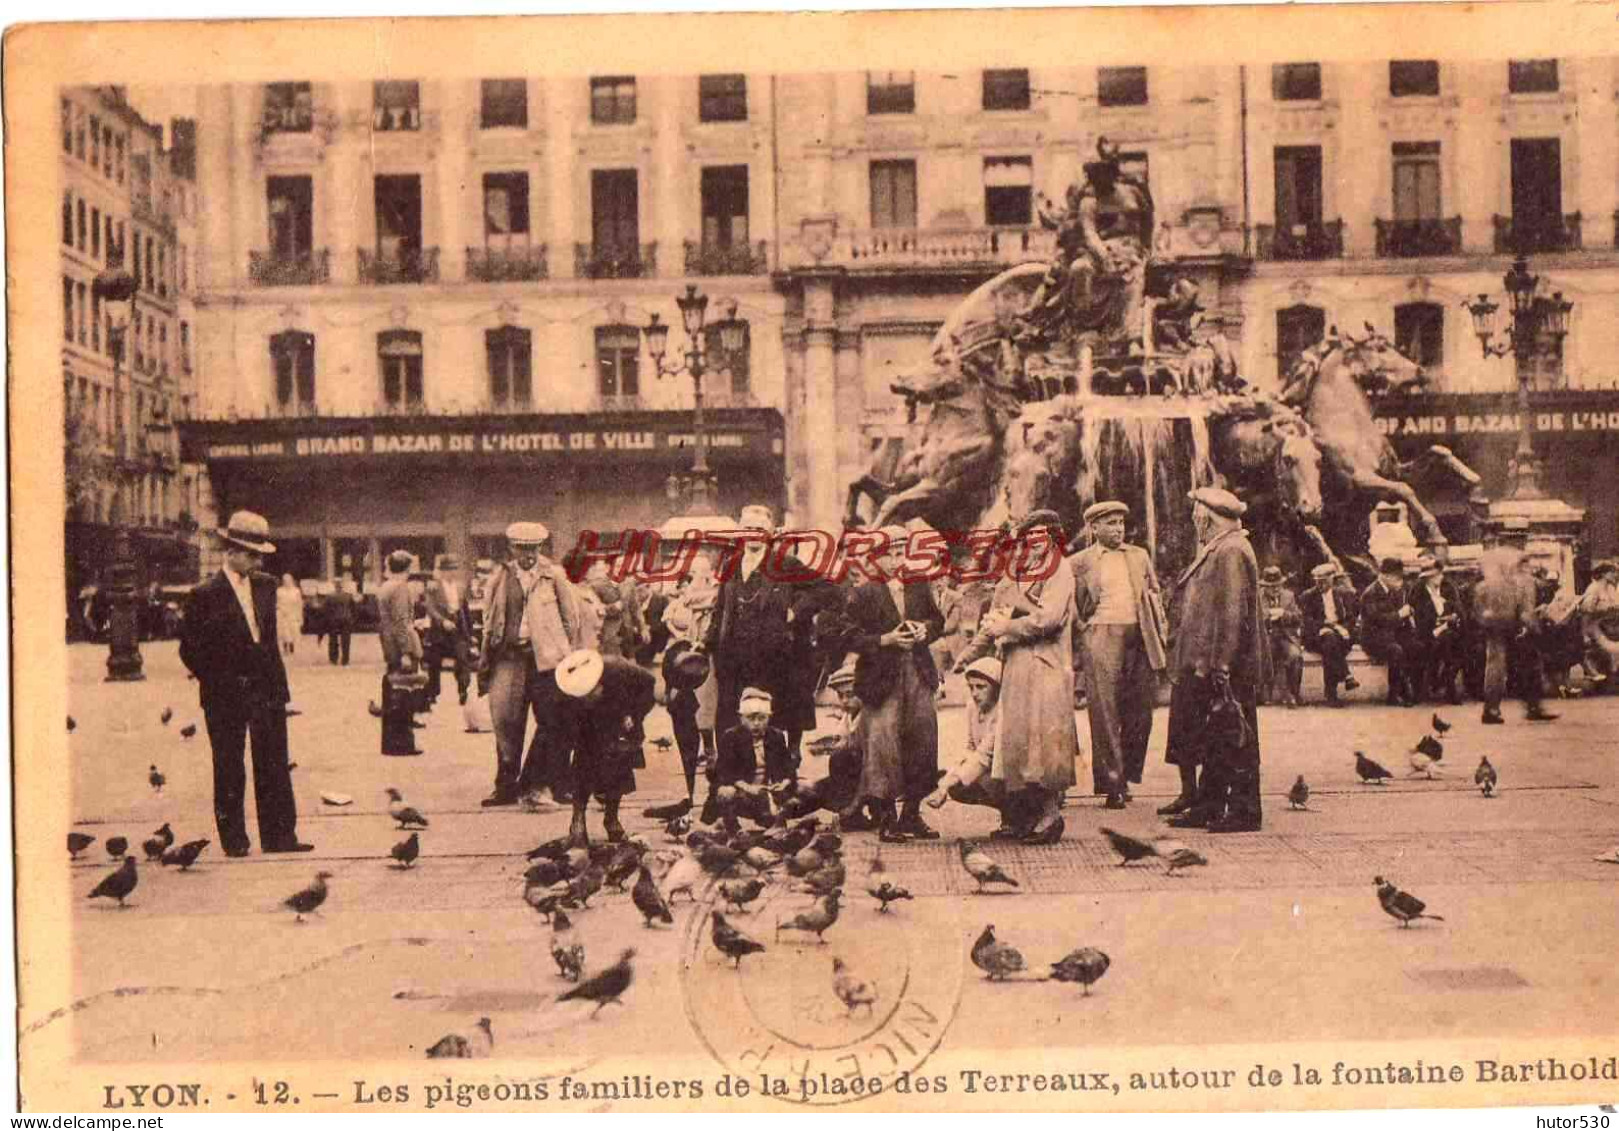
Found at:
<point>1387,630</point>
<point>1329,622</point>
<point>229,643</point>
<point>340,621</point>
<point>1438,610</point>
<point>402,653</point>
<point>444,639</point>
<point>610,698</point>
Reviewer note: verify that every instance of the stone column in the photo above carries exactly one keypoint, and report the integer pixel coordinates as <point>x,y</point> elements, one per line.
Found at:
<point>817,427</point>
<point>1598,153</point>
<point>1480,154</point>
<point>561,97</point>
<point>347,183</point>
<point>1360,143</point>
<point>667,191</point>
<point>454,104</point>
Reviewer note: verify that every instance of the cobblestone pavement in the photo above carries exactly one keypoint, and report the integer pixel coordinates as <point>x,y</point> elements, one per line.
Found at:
<point>1279,937</point>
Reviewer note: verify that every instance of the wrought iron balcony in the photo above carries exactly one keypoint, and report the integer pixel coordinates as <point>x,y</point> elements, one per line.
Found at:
<point>735,259</point>
<point>942,247</point>
<point>407,265</point>
<point>1315,240</point>
<point>1408,239</point>
<point>507,264</point>
<point>608,261</point>
<point>1527,235</point>
<point>266,269</point>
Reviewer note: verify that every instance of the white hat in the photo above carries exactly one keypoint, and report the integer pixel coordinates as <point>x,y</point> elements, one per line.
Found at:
<point>249,531</point>
<point>987,668</point>
<point>754,695</point>
<point>527,533</point>
<point>580,672</point>
<point>843,677</point>
<point>757,516</point>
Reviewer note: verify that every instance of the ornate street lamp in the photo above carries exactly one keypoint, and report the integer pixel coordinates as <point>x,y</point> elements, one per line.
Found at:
<point>1536,317</point>
<point>697,486</point>
<point>116,286</point>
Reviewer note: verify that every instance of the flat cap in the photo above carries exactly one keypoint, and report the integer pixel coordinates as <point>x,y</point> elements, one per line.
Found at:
<point>1324,571</point>
<point>527,533</point>
<point>1042,519</point>
<point>1219,500</point>
<point>1102,510</point>
<point>760,700</point>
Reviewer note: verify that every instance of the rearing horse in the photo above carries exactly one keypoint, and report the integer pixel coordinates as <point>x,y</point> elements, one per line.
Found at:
<point>1326,386</point>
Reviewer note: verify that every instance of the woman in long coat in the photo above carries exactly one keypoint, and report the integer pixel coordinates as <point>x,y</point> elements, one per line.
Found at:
<point>1030,623</point>
<point>289,613</point>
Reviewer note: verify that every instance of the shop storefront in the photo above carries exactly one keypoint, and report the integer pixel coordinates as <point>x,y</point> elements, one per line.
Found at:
<point>359,488</point>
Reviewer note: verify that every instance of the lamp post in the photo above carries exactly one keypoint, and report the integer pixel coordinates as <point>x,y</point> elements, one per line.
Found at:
<point>117,286</point>
<point>1535,316</point>
<point>698,486</point>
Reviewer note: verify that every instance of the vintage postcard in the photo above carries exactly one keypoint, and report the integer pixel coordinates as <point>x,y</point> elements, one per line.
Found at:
<point>979,560</point>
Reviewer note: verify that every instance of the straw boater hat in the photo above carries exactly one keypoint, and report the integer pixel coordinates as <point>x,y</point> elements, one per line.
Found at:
<point>527,533</point>
<point>988,668</point>
<point>249,531</point>
<point>1271,576</point>
<point>1324,571</point>
<point>1098,511</point>
<point>1219,500</point>
<point>579,672</point>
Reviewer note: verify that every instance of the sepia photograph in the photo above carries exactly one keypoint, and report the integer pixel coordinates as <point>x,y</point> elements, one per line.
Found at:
<point>924,561</point>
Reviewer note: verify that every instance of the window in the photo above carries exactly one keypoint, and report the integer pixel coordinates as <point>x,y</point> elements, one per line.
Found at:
<point>95,233</point>
<point>95,142</point>
<point>67,127</point>
<point>1121,86</point>
<point>136,270</point>
<point>396,106</point>
<point>95,320</point>
<point>618,361</point>
<point>511,380</point>
<point>612,100</point>
<point>893,194</point>
<point>119,143</point>
<point>113,255</point>
<point>78,134</point>
<point>722,98</point>
<point>1419,333</point>
<point>1410,78</point>
<point>290,202</point>
<point>106,151</point>
<point>1297,329</point>
<point>1006,90</point>
<point>890,92</point>
<point>163,271</point>
<point>505,209</point>
<point>185,269</point>
<point>185,347</point>
<point>400,352</point>
<point>67,219</point>
<point>1416,181</point>
<point>1298,187</point>
<point>84,314</point>
<point>151,264</point>
<point>1008,191</point>
<point>503,103</point>
<point>615,213</point>
<point>1537,194</point>
<point>1532,76</point>
<point>163,348</point>
<point>292,355</point>
<point>84,225</point>
<point>725,206</point>
<point>723,362</point>
<point>289,107</point>
<point>398,201</point>
<point>1295,82</point>
<point>67,308</point>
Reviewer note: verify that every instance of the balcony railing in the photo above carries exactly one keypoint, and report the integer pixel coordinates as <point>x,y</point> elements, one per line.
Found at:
<point>507,264</point>
<point>1530,234</point>
<point>1316,240</point>
<point>506,406</point>
<point>404,266</point>
<point>612,262</point>
<point>266,269</point>
<point>735,259</point>
<point>288,119</point>
<point>292,407</point>
<point>605,403</point>
<point>943,247</point>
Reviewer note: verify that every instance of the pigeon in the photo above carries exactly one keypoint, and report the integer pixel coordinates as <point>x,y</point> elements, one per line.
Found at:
<point>996,959</point>
<point>1128,847</point>
<point>306,901</point>
<point>189,731</point>
<point>1422,764</point>
<point>826,880</point>
<point>1370,772</point>
<point>1402,905</point>
<point>1183,857</point>
<point>166,716</point>
<point>981,868</point>
<point>566,952</point>
<point>625,863</point>
<point>1299,796</point>
<point>679,827</point>
<point>407,817</point>
<point>1484,777</point>
<point>606,987</point>
<point>166,835</point>
<point>588,883</point>
<point>552,849</point>
<point>117,846</point>
<point>878,886</point>
<point>649,900</point>
<point>186,855</point>
<point>1085,966</point>
<point>740,893</point>
<point>663,742</point>
<point>407,850</point>
<point>71,725</point>
<point>817,920</point>
<point>804,861</point>
<point>852,990</point>
<point>78,842</point>
<point>682,875</point>
<point>543,900</point>
<point>717,859</point>
<point>546,873</point>
<point>731,942</point>
<point>1431,746</point>
<point>376,711</point>
<point>119,884</point>
<point>155,779</point>
<point>762,858</point>
<point>456,1047</point>
<point>1440,726</point>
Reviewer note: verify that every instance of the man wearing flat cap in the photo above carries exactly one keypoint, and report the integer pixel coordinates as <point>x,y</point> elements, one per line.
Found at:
<point>532,620</point>
<point>228,641</point>
<point>1388,630</point>
<point>402,655</point>
<point>609,697</point>
<point>1218,665</point>
<point>1282,624</point>
<point>1329,609</point>
<point>1121,629</point>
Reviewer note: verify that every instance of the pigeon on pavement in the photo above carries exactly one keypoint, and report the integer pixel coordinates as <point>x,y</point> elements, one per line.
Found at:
<point>625,863</point>
<point>879,887</point>
<point>817,920</point>
<point>683,875</point>
<point>1440,726</point>
<point>739,893</point>
<point>761,858</point>
<point>554,849</point>
<point>78,842</point>
<point>71,725</point>
<point>1128,847</point>
<point>154,848</point>
<point>119,884</point>
<point>1422,764</point>
<point>1401,905</point>
<point>566,951</point>
<point>407,817</point>
<point>166,835</point>
<point>1299,796</point>
<point>186,855</point>
<point>310,898</point>
<point>1085,966</point>
<point>189,731</point>
<point>1179,856</point>
<point>1431,746</point>
<point>155,779</point>
<point>117,846</point>
<point>407,850</point>
<point>981,868</point>
<point>1484,777</point>
<point>852,990</point>
<point>1370,772</point>
<point>168,713</point>
<point>731,942</point>
<point>456,1047</point>
<point>607,987</point>
<point>996,959</point>
<point>649,900</point>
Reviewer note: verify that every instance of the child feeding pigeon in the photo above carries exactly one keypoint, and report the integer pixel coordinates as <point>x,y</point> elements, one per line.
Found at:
<point>965,782</point>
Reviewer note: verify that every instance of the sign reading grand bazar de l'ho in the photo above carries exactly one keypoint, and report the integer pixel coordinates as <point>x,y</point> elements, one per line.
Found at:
<point>1485,415</point>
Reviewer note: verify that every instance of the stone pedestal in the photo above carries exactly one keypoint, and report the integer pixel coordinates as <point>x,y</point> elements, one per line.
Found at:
<point>1550,528</point>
